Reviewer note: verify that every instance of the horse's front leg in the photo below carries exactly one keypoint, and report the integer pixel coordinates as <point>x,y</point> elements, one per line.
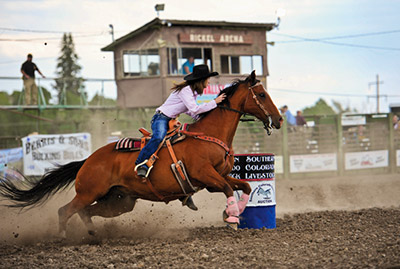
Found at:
<point>215,182</point>
<point>237,184</point>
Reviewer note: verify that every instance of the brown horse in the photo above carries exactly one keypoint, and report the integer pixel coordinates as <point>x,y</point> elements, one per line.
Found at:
<point>106,184</point>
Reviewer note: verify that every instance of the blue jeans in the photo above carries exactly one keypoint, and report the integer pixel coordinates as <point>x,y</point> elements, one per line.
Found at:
<point>159,126</point>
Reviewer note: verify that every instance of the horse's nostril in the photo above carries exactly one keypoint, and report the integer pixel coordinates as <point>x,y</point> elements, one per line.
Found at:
<point>280,119</point>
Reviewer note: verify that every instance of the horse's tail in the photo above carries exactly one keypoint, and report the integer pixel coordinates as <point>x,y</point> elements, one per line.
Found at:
<point>38,192</point>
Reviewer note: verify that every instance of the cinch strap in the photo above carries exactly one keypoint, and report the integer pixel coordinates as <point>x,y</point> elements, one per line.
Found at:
<point>228,150</point>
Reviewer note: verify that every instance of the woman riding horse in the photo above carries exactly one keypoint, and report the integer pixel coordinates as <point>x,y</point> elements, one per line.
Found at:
<point>181,100</point>
<point>106,185</point>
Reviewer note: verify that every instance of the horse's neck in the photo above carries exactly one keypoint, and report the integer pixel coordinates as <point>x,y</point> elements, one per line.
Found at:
<point>219,123</point>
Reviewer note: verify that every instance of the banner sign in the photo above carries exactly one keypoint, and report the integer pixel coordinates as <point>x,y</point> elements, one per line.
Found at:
<point>366,159</point>
<point>398,157</point>
<point>313,163</point>
<point>216,38</point>
<point>278,164</point>
<point>210,93</point>
<point>258,171</point>
<point>350,120</point>
<point>9,156</point>
<point>43,152</point>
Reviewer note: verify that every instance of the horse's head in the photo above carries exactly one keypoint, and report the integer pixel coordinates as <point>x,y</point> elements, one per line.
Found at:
<point>251,98</point>
<point>260,104</point>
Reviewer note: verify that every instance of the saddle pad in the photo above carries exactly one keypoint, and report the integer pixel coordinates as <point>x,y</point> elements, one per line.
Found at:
<point>127,144</point>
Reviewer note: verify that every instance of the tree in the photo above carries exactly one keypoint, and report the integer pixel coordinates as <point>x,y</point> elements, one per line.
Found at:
<point>320,108</point>
<point>68,81</point>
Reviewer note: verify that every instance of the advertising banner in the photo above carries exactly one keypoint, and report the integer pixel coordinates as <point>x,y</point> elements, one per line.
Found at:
<point>313,163</point>
<point>398,157</point>
<point>43,152</point>
<point>210,93</point>
<point>258,171</point>
<point>366,159</point>
<point>9,156</point>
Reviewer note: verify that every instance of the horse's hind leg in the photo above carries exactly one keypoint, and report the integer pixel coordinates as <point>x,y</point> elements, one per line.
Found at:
<point>113,204</point>
<point>64,213</point>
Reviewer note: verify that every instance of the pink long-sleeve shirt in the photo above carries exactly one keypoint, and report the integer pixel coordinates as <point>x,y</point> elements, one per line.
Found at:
<point>184,101</point>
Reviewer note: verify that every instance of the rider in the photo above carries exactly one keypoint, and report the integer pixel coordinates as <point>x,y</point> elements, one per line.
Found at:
<point>181,100</point>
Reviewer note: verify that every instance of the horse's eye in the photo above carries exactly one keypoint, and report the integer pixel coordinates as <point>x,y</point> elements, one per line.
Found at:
<point>262,94</point>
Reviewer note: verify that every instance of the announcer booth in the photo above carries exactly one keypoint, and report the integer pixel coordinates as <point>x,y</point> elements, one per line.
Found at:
<point>258,171</point>
<point>148,61</point>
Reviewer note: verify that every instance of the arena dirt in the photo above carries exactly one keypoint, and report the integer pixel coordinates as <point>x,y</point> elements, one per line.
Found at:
<point>349,222</point>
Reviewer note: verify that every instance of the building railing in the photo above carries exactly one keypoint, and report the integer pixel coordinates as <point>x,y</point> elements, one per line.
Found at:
<point>102,87</point>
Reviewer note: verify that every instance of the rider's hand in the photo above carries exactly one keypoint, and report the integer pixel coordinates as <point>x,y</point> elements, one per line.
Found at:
<point>220,98</point>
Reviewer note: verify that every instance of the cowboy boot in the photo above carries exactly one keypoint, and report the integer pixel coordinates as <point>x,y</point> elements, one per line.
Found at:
<point>188,201</point>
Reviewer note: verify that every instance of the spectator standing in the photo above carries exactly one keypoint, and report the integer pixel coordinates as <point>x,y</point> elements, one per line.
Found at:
<point>28,69</point>
<point>289,116</point>
<point>300,121</point>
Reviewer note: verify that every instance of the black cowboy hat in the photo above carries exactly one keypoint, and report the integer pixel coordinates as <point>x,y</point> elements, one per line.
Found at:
<point>200,72</point>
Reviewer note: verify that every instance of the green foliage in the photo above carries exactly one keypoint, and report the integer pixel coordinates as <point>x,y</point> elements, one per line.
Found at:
<point>98,100</point>
<point>338,107</point>
<point>68,70</point>
<point>320,108</point>
<point>4,98</point>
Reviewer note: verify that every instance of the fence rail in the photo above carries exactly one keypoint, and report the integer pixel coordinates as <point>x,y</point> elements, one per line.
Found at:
<point>330,147</point>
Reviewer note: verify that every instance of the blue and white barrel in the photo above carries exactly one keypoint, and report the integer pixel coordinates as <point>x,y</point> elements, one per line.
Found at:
<point>258,170</point>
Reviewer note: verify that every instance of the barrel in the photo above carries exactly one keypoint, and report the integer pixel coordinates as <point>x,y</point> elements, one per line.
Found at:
<point>258,170</point>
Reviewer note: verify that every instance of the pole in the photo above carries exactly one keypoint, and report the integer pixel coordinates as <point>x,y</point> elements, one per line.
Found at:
<point>377,82</point>
<point>377,93</point>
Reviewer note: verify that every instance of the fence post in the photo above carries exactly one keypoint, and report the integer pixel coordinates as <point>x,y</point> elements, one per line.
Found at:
<point>340,154</point>
<point>392,149</point>
<point>285,153</point>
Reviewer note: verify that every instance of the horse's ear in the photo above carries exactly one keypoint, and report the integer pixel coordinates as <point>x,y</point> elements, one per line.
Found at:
<point>253,76</point>
<point>251,79</point>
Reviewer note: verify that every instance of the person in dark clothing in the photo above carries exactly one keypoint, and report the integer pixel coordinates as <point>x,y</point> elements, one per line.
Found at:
<point>28,69</point>
<point>300,121</point>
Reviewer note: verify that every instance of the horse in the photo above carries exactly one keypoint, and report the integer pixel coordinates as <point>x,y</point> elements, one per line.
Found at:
<point>106,184</point>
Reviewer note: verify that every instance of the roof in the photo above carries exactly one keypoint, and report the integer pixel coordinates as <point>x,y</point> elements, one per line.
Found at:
<point>157,23</point>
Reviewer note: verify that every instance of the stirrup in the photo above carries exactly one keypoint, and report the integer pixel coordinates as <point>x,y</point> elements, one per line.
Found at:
<point>143,163</point>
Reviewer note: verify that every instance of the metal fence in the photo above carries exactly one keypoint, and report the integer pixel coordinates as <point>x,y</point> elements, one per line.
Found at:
<point>329,146</point>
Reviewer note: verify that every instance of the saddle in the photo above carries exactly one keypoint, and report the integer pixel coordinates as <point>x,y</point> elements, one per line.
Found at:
<point>176,133</point>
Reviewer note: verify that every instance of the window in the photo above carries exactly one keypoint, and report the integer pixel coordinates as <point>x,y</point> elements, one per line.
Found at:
<point>241,64</point>
<point>141,63</point>
<point>178,56</point>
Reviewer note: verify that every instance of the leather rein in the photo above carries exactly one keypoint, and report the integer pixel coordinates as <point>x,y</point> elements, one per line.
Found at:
<point>267,127</point>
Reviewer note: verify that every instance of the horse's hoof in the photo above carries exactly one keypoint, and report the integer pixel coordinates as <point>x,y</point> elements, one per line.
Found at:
<point>63,235</point>
<point>233,226</point>
<point>224,215</point>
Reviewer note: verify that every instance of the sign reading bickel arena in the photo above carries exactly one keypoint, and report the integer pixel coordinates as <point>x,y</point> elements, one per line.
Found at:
<point>258,171</point>
<point>42,153</point>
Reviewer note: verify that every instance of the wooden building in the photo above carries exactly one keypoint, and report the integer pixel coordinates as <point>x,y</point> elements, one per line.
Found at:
<point>148,61</point>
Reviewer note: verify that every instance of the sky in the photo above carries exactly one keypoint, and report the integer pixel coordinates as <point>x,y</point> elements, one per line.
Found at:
<point>329,49</point>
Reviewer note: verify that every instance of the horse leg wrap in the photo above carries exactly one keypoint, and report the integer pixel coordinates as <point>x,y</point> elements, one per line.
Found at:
<point>243,202</point>
<point>232,210</point>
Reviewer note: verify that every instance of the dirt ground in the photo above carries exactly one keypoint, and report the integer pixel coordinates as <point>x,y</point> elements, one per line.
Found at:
<point>349,222</point>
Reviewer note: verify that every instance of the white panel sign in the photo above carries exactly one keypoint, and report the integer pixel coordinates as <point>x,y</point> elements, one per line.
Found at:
<point>366,159</point>
<point>43,152</point>
<point>353,120</point>
<point>398,157</point>
<point>313,163</point>
<point>278,164</point>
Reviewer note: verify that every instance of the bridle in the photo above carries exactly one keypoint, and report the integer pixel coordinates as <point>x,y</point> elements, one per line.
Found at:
<point>267,127</point>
